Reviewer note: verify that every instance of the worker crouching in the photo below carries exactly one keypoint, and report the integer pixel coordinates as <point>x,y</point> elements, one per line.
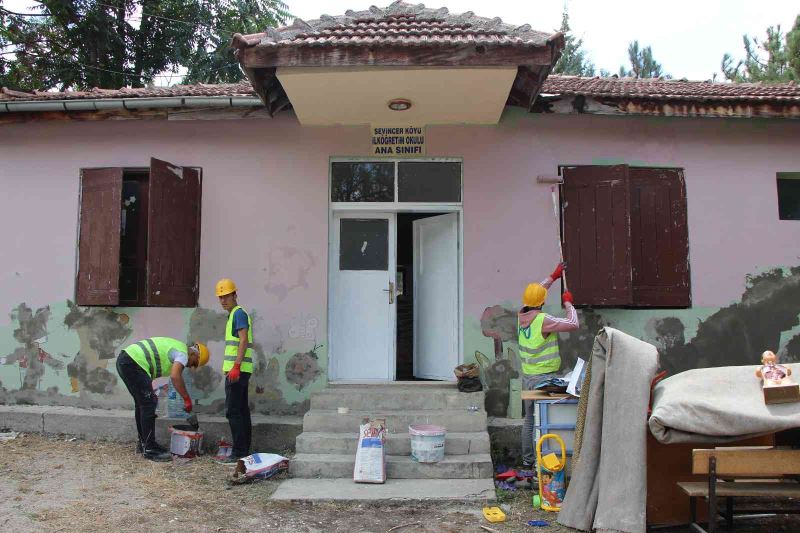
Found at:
<point>142,362</point>
<point>538,347</point>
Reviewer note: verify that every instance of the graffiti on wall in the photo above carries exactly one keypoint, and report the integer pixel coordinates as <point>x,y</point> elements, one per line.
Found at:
<point>303,369</point>
<point>288,269</point>
<point>499,324</point>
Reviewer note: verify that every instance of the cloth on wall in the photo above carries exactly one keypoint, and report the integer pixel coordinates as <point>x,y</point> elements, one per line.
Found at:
<point>608,491</point>
<point>717,405</point>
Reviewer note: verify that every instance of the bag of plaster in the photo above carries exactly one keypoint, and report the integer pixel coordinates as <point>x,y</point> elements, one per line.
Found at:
<point>259,466</point>
<point>371,452</point>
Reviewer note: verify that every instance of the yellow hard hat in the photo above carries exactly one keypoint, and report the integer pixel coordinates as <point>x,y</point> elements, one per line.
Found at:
<point>203,353</point>
<point>225,286</point>
<point>534,295</point>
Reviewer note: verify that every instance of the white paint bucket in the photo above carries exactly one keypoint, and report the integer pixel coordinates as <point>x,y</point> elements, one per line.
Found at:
<point>427,442</point>
<point>184,442</point>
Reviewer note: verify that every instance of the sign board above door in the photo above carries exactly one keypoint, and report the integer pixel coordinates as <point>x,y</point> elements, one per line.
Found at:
<point>397,141</point>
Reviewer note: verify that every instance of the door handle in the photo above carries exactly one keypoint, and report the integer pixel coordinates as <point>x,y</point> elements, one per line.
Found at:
<point>390,290</point>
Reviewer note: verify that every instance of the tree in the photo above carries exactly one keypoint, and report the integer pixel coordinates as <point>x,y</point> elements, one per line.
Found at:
<point>777,58</point>
<point>80,44</point>
<point>573,60</point>
<point>643,64</point>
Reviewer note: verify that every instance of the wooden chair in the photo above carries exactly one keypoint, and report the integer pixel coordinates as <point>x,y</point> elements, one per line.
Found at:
<point>741,472</point>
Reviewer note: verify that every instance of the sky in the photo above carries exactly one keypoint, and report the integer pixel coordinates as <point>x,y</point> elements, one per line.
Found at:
<point>688,37</point>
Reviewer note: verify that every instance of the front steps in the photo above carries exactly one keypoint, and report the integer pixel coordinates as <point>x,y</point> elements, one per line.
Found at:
<point>323,466</point>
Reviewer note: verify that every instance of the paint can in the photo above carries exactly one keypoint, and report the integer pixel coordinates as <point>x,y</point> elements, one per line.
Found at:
<point>427,443</point>
<point>185,442</point>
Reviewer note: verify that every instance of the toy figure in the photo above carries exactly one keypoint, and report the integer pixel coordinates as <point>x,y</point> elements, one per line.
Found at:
<point>771,372</point>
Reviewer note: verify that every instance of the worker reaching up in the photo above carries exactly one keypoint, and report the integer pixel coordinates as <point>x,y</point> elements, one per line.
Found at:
<point>142,362</point>
<point>538,346</point>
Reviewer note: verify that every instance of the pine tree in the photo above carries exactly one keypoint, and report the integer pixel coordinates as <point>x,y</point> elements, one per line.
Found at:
<point>80,44</point>
<point>573,60</point>
<point>775,59</point>
<point>643,64</point>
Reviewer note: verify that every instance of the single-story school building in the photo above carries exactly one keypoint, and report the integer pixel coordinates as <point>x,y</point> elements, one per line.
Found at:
<point>381,190</point>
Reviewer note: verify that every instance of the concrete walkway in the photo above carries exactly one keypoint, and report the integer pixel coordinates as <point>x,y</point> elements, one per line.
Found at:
<point>270,433</point>
<point>394,489</point>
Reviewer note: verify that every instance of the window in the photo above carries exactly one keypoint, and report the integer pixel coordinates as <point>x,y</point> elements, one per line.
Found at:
<point>400,181</point>
<point>625,236</point>
<point>139,236</point>
<point>789,195</point>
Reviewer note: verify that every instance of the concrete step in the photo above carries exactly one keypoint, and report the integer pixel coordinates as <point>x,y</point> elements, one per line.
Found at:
<point>329,421</point>
<point>480,490</point>
<point>473,466</point>
<point>396,443</point>
<point>396,398</point>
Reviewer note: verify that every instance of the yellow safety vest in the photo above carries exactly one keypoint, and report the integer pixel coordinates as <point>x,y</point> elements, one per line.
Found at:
<point>232,345</point>
<point>153,354</point>
<point>539,354</point>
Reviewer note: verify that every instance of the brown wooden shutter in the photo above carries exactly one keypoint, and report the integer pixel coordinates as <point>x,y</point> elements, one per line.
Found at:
<point>596,234</point>
<point>173,235</point>
<point>99,236</point>
<point>659,238</point>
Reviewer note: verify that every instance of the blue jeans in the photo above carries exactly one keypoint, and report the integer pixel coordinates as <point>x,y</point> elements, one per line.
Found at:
<point>528,434</point>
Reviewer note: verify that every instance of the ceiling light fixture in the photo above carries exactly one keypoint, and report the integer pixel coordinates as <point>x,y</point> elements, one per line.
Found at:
<point>399,104</point>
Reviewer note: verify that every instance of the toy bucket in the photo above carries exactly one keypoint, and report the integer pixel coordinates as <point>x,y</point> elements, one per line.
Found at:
<point>551,473</point>
<point>427,443</point>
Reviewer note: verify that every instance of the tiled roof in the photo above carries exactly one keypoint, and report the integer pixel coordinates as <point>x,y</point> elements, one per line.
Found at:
<point>659,89</point>
<point>221,90</point>
<point>399,24</point>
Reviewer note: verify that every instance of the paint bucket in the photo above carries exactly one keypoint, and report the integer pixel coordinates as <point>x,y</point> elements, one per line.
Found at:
<point>185,442</point>
<point>427,442</point>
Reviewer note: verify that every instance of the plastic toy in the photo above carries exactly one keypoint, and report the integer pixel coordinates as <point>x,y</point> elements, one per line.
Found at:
<point>552,478</point>
<point>494,514</point>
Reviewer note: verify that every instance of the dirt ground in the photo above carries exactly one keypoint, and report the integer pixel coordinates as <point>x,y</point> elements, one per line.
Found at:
<point>58,484</point>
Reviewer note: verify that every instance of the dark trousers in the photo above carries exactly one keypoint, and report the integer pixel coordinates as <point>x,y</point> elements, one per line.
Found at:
<point>144,398</point>
<point>237,411</point>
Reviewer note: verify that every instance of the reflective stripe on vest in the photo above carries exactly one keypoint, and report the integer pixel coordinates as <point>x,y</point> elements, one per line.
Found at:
<point>152,354</point>
<point>232,345</point>
<point>538,353</point>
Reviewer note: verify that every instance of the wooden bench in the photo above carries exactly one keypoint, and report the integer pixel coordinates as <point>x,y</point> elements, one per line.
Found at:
<point>731,473</point>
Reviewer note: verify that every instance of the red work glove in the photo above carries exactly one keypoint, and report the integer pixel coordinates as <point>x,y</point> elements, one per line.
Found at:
<point>566,297</point>
<point>557,272</point>
<point>187,404</point>
<point>233,375</point>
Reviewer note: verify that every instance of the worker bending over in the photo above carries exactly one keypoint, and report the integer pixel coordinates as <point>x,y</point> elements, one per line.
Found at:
<point>142,362</point>
<point>538,347</point>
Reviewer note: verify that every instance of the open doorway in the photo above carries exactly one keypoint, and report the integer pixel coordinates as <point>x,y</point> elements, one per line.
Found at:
<point>427,287</point>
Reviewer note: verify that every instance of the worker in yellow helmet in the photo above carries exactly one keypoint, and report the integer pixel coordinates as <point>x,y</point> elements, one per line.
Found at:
<point>237,365</point>
<point>538,347</point>
<point>138,365</point>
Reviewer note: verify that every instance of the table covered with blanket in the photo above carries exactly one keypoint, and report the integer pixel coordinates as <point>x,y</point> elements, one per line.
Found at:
<point>717,405</point>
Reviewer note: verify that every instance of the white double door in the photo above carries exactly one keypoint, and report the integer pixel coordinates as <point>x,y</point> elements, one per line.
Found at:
<point>363,296</point>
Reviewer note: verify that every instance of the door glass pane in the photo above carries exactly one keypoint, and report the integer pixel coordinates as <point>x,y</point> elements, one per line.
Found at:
<point>362,182</point>
<point>429,182</point>
<point>364,244</point>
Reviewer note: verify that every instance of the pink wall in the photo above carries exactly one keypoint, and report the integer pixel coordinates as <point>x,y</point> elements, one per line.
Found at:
<point>730,167</point>
<point>265,210</point>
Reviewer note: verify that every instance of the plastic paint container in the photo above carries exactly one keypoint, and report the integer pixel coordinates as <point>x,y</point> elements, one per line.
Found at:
<point>427,442</point>
<point>185,442</point>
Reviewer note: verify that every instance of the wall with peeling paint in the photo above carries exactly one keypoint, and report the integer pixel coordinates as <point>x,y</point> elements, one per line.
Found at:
<point>265,224</point>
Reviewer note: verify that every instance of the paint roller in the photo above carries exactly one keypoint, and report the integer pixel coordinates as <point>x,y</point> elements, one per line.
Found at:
<point>554,182</point>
